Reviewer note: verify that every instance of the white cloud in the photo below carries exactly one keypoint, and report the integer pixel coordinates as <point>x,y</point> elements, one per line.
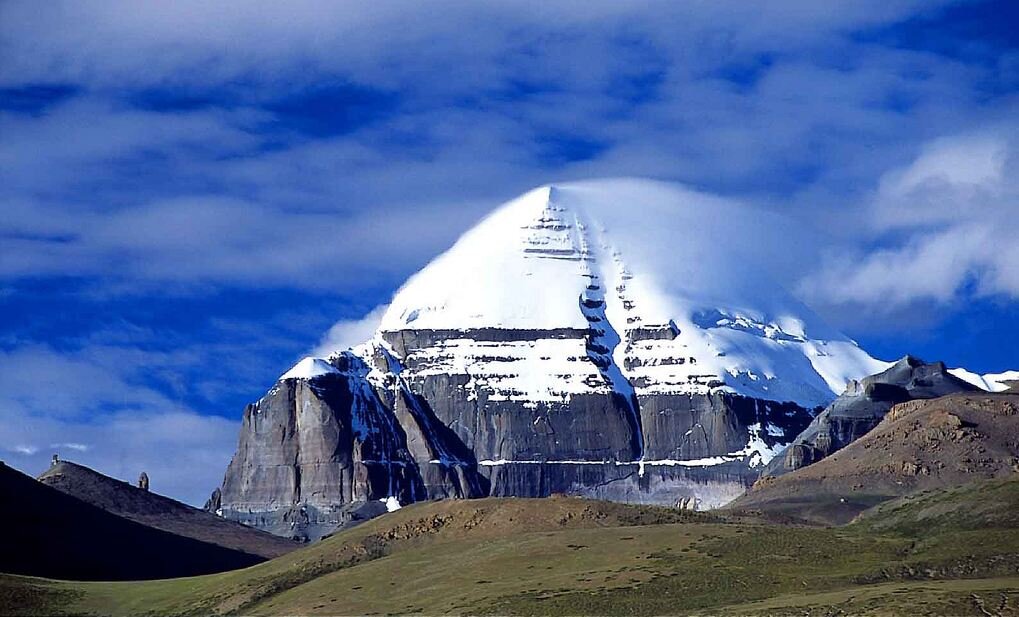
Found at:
<point>976,160</point>
<point>948,224</point>
<point>77,447</point>
<point>96,187</point>
<point>348,333</point>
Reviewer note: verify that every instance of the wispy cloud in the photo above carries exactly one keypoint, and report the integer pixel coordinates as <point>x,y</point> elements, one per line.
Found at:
<point>191,42</point>
<point>77,447</point>
<point>188,167</point>
<point>124,399</point>
<point>94,406</point>
<point>350,332</point>
<point>945,225</point>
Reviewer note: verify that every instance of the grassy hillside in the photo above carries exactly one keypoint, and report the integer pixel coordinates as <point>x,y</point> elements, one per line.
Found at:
<point>958,509</point>
<point>570,556</point>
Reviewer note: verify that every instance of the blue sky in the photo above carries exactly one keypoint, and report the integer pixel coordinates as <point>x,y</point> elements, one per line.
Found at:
<point>194,193</point>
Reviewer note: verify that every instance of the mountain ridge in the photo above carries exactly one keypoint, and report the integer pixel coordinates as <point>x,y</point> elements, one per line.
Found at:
<point>56,535</point>
<point>159,512</point>
<point>918,445</point>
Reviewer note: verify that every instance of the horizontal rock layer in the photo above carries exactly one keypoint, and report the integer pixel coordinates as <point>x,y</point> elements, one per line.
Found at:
<point>321,452</point>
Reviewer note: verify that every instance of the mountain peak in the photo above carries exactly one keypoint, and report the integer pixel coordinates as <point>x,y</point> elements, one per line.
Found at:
<point>672,279</point>
<point>618,339</point>
<point>309,368</point>
<point>909,361</point>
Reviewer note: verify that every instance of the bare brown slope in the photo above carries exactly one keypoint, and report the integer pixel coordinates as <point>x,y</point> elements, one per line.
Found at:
<point>161,512</point>
<point>919,445</point>
<point>48,533</point>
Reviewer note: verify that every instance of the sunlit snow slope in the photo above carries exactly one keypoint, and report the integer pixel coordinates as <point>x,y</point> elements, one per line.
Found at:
<point>671,281</point>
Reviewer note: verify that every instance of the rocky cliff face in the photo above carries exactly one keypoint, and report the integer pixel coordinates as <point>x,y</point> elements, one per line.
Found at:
<point>319,449</point>
<point>551,352</point>
<point>327,440</point>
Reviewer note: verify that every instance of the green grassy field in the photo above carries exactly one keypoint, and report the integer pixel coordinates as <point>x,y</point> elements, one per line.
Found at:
<point>916,556</point>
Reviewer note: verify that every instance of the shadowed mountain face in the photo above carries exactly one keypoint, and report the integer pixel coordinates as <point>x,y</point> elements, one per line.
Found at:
<point>51,534</point>
<point>148,508</point>
<point>862,406</point>
<point>918,445</point>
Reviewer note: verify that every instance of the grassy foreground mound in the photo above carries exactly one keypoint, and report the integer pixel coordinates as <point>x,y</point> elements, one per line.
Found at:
<point>571,556</point>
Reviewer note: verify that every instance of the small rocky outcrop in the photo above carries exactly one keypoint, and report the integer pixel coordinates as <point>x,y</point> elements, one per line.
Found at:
<point>214,502</point>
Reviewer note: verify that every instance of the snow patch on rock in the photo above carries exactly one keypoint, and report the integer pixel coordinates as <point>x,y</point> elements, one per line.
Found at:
<point>309,368</point>
<point>392,503</point>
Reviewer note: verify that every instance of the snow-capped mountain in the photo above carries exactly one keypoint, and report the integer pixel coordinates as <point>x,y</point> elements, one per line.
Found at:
<point>992,382</point>
<point>617,339</point>
<point>647,267</point>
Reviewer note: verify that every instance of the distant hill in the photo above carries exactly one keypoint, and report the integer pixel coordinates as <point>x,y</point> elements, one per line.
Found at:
<point>148,508</point>
<point>919,445</point>
<point>48,533</point>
